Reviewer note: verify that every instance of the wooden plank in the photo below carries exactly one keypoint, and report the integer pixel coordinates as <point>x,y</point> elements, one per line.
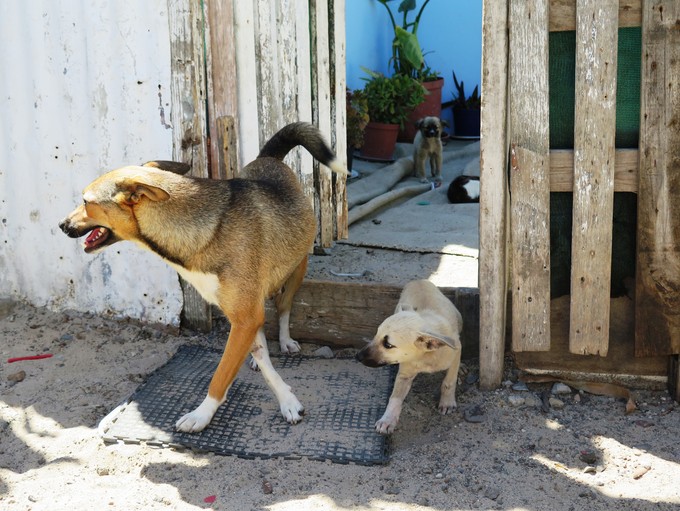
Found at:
<point>493,200</point>
<point>620,361</point>
<point>188,118</point>
<point>625,170</point>
<point>222,89</point>
<point>593,196</point>
<point>348,314</point>
<point>321,112</point>
<point>674,377</point>
<point>658,231</point>
<point>563,14</point>
<point>339,113</point>
<point>530,176</point>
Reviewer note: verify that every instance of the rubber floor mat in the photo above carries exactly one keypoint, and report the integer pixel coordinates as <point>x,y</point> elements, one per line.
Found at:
<point>342,398</point>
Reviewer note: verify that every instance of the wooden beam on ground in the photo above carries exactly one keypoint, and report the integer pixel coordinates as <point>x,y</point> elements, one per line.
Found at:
<point>530,175</point>
<point>594,157</point>
<point>563,14</point>
<point>348,314</point>
<point>657,318</point>
<point>493,200</point>
<point>625,170</point>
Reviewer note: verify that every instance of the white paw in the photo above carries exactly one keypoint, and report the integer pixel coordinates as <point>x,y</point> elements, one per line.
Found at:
<point>196,421</point>
<point>386,425</point>
<point>445,407</point>
<point>252,363</point>
<point>291,409</point>
<point>289,346</point>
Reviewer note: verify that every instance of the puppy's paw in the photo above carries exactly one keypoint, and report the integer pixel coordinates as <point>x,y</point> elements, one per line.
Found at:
<point>252,363</point>
<point>447,407</point>
<point>289,346</point>
<point>386,425</point>
<point>193,422</point>
<point>291,409</point>
<point>424,180</point>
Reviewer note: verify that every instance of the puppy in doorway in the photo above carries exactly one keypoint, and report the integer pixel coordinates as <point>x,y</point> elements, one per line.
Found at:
<point>422,336</point>
<point>427,146</point>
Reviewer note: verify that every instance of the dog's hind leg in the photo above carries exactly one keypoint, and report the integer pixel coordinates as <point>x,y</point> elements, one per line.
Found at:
<point>291,409</point>
<point>244,328</point>
<point>284,304</point>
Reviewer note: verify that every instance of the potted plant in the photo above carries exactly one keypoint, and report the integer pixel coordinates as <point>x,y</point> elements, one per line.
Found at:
<point>389,100</point>
<point>408,59</point>
<point>466,111</point>
<point>357,119</point>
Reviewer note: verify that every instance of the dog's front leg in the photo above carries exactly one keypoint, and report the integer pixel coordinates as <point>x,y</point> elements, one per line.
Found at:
<point>447,400</point>
<point>291,409</point>
<point>388,422</point>
<point>239,343</point>
<point>436,166</point>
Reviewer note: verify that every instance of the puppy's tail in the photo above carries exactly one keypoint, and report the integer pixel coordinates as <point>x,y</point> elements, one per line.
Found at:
<point>308,136</point>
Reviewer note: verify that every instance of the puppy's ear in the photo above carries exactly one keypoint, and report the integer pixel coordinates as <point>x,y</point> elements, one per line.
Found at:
<point>419,123</point>
<point>176,167</point>
<point>444,122</point>
<point>431,342</point>
<point>134,189</point>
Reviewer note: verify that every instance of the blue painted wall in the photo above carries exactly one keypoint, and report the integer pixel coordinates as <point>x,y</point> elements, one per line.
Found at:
<point>450,34</point>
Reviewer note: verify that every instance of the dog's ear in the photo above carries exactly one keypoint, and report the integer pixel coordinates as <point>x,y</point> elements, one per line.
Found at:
<point>419,123</point>
<point>176,167</point>
<point>134,189</point>
<point>444,122</point>
<point>431,342</point>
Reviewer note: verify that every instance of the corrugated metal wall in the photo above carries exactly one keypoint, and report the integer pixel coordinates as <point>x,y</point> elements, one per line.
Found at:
<point>84,87</point>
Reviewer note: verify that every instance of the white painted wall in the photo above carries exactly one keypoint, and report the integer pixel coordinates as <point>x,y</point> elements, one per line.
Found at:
<point>84,88</point>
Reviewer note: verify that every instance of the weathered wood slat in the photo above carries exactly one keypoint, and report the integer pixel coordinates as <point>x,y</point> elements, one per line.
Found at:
<point>657,318</point>
<point>625,170</point>
<point>530,175</point>
<point>189,119</point>
<point>593,195</point>
<point>563,14</point>
<point>493,232</point>
<point>222,89</point>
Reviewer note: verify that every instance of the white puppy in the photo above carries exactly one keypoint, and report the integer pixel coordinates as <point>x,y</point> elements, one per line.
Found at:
<point>422,336</point>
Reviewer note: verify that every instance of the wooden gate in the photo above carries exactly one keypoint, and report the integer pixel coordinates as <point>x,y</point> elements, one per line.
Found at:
<point>520,170</point>
<point>240,72</point>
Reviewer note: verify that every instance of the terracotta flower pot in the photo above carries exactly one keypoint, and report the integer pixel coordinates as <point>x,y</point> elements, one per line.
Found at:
<point>379,140</point>
<point>431,106</point>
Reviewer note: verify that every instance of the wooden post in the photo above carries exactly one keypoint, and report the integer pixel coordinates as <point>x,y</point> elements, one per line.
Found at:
<point>493,200</point>
<point>594,157</point>
<point>530,175</point>
<point>188,117</point>
<point>657,291</point>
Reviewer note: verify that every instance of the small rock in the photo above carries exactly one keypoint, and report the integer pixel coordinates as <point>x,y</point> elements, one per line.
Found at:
<point>590,470</point>
<point>555,403</point>
<point>267,488</point>
<point>520,386</point>
<point>640,471</point>
<point>588,456</point>
<point>492,493</point>
<point>17,377</point>
<point>66,338</point>
<point>474,415</point>
<point>560,388</point>
<point>376,221</point>
<point>516,401</point>
<point>471,378</point>
<point>439,475</point>
<point>324,352</point>
<point>103,471</point>
<point>577,398</point>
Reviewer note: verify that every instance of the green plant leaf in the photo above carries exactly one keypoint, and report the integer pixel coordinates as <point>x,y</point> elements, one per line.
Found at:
<point>409,48</point>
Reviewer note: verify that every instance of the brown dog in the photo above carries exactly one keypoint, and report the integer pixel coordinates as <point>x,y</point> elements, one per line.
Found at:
<point>427,145</point>
<point>237,241</point>
<point>422,336</point>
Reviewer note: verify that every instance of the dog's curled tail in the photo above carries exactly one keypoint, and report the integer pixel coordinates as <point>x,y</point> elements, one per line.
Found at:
<point>308,136</point>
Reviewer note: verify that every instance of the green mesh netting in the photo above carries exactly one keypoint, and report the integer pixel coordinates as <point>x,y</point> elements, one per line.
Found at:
<point>562,52</point>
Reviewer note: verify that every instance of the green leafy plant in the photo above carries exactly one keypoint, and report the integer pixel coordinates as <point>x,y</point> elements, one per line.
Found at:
<point>390,100</point>
<point>460,100</point>
<point>407,56</point>
<point>357,118</point>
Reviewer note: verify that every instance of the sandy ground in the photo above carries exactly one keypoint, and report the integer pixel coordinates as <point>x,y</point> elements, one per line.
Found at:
<point>500,450</point>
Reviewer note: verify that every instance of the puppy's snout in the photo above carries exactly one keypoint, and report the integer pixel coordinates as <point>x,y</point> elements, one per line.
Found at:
<point>431,132</point>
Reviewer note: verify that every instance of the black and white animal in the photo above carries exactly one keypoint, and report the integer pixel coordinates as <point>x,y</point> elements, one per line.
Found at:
<point>463,189</point>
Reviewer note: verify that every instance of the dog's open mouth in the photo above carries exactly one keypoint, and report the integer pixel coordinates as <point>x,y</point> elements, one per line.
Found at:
<point>97,238</point>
